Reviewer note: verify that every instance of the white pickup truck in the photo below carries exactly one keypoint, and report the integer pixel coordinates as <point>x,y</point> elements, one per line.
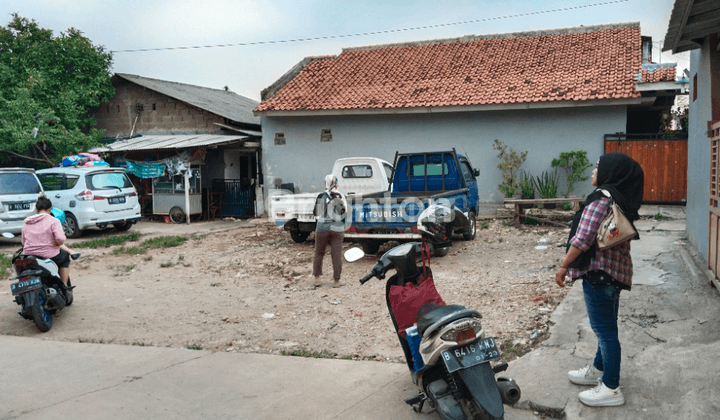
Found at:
<point>356,176</point>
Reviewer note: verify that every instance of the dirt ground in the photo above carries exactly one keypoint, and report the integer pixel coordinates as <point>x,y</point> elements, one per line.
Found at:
<point>248,290</point>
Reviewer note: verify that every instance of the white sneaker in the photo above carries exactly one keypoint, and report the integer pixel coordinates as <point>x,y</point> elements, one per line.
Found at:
<point>589,375</point>
<point>602,396</point>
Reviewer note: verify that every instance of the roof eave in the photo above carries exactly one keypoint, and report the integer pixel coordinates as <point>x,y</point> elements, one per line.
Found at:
<point>457,108</point>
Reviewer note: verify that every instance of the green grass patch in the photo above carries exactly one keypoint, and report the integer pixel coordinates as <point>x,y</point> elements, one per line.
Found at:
<point>506,223</point>
<point>166,264</point>
<point>484,225</point>
<point>660,217</point>
<point>154,243</point>
<point>164,242</point>
<point>109,241</point>
<point>5,265</point>
<point>305,353</point>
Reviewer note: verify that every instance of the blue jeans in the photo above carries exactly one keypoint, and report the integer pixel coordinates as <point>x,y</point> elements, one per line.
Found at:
<point>602,301</point>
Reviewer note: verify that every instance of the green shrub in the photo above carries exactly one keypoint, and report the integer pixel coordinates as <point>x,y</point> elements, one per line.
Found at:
<point>547,184</point>
<point>510,162</point>
<point>575,164</point>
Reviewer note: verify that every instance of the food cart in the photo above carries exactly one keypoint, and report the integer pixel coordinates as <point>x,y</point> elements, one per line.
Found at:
<point>178,196</point>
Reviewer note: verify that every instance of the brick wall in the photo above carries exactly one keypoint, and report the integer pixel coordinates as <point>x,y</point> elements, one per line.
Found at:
<point>161,114</point>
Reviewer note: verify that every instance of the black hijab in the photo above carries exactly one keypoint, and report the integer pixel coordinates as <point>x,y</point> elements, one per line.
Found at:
<point>623,178</point>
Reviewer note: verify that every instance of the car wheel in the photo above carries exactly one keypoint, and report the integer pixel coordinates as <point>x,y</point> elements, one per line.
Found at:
<point>71,226</point>
<point>122,227</point>
<point>177,215</point>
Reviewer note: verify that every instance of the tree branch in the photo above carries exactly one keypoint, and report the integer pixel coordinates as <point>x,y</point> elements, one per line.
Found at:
<point>43,154</point>
<point>26,157</point>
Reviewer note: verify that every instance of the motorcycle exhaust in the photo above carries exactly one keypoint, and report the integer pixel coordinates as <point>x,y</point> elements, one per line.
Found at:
<point>54,300</point>
<point>509,390</point>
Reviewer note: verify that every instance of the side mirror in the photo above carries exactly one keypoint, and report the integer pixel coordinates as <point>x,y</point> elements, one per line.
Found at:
<point>353,254</point>
<point>476,172</point>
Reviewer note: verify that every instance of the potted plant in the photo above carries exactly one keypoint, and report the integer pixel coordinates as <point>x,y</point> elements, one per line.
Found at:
<point>509,164</point>
<point>547,186</point>
<point>527,188</point>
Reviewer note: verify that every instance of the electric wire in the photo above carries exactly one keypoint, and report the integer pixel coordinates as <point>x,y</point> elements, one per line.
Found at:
<point>414,28</point>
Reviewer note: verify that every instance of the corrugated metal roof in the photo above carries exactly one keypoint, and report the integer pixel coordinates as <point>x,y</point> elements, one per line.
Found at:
<point>180,141</point>
<point>221,102</point>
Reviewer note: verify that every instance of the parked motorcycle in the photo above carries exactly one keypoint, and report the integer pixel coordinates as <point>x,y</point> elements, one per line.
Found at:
<point>39,290</point>
<point>451,365</point>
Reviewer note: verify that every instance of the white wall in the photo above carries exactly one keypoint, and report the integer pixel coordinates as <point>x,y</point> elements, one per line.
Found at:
<point>698,181</point>
<point>305,160</point>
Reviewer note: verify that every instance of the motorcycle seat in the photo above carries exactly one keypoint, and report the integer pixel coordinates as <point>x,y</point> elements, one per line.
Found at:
<point>443,315</point>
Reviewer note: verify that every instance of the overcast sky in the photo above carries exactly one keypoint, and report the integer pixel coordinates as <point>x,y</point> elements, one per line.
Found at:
<point>246,70</point>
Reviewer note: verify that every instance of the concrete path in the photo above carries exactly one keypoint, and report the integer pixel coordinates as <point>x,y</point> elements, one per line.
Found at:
<point>669,331</point>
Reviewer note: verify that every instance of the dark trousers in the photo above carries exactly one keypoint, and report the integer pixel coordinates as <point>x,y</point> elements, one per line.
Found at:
<point>322,239</point>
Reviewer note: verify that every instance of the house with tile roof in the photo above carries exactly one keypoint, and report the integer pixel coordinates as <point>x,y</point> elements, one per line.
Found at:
<point>153,120</point>
<point>546,92</point>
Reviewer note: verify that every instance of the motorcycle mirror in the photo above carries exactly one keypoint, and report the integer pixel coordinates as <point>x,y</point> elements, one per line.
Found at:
<point>354,254</point>
<point>8,235</point>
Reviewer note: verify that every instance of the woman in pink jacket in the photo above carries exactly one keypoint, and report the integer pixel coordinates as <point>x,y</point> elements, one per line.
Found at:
<point>43,236</point>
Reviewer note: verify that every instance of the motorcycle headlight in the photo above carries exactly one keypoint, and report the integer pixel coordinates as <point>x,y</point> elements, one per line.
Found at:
<point>463,332</point>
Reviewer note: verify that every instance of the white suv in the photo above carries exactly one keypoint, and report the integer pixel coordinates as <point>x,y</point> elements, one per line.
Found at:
<point>19,191</point>
<point>97,196</point>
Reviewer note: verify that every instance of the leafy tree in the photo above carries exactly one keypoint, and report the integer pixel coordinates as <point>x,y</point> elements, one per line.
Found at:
<point>575,164</point>
<point>47,84</point>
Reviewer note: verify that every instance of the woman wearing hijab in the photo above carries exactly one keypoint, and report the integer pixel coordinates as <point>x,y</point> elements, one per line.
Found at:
<point>605,272</point>
<point>330,214</point>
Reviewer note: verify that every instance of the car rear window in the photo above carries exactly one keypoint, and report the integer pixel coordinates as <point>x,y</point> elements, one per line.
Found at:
<point>108,181</point>
<point>19,183</point>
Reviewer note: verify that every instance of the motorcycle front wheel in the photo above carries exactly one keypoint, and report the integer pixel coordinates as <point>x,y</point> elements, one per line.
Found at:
<point>41,316</point>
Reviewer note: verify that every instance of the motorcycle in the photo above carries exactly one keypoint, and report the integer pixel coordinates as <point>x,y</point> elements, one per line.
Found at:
<point>451,364</point>
<point>39,290</point>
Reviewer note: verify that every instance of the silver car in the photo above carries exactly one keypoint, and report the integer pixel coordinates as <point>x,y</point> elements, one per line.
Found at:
<point>92,197</point>
<point>19,191</point>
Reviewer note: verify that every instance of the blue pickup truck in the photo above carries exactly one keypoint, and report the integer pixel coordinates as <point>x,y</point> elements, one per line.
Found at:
<point>419,180</point>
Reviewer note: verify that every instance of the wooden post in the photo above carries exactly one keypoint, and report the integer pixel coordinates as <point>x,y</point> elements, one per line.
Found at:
<point>187,196</point>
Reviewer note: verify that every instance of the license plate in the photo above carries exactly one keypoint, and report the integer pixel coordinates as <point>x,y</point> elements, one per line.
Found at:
<point>470,355</point>
<point>116,200</point>
<point>19,206</point>
<point>25,285</point>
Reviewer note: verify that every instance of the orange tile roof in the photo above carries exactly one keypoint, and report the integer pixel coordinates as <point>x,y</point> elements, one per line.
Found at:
<point>662,74</point>
<point>575,64</point>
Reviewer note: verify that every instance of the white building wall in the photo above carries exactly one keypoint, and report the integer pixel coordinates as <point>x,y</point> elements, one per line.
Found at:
<point>698,180</point>
<point>304,159</point>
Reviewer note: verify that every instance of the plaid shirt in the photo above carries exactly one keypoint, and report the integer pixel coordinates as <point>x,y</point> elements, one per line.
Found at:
<point>616,260</point>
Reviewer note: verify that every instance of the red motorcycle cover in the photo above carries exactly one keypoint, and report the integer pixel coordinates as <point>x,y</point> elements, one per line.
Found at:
<point>405,301</point>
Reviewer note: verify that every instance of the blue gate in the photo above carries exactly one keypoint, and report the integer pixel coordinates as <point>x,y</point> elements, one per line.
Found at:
<point>237,197</point>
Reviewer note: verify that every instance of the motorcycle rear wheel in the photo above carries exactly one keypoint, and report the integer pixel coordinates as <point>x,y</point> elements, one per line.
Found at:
<point>41,316</point>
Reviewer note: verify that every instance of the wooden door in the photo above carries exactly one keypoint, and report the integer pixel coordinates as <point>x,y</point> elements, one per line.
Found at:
<point>664,163</point>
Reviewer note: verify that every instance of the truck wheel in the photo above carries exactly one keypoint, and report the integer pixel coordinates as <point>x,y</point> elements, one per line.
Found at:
<point>298,236</point>
<point>370,247</point>
<point>441,252</point>
<point>469,235</point>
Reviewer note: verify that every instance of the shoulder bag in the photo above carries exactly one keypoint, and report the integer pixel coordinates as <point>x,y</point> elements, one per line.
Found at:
<point>615,228</point>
